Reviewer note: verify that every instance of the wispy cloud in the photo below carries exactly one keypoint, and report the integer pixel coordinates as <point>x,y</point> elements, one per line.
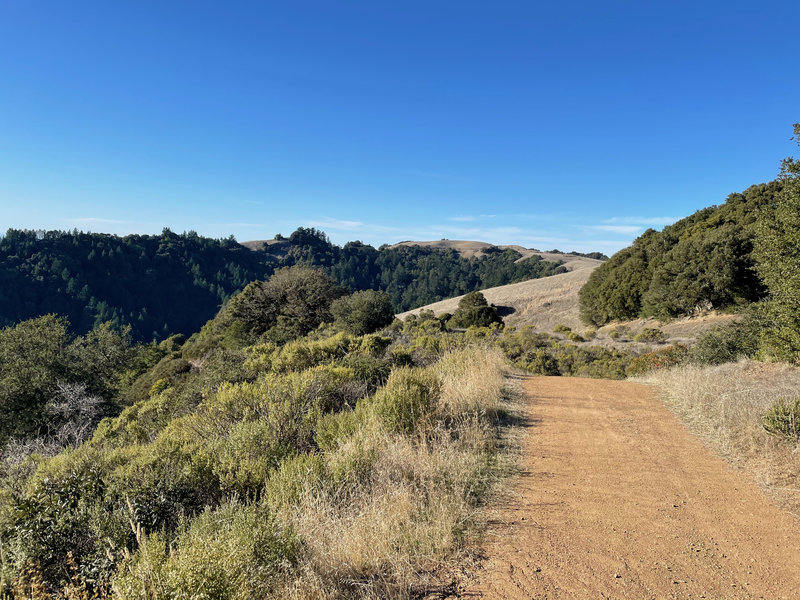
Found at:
<point>347,225</point>
<point>485,234</point>
<point>340,224</point>
<point>642,220</point>
<point>622,229</point>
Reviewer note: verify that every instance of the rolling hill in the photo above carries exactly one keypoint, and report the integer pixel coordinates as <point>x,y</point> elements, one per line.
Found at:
<point>543,303</point>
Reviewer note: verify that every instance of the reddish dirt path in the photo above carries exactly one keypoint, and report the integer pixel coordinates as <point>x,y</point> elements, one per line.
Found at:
<point>617,500</point>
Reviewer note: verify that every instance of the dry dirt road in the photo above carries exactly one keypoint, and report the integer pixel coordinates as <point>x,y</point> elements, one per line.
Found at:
<point>618,500</point>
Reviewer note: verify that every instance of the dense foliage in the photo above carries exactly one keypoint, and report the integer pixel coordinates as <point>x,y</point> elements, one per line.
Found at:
<point>257,468</point>
<point>474,311</point>
<point>363,312</point>
<point>47,378</point>
<point>704,261</point>
<point>173,283</point>
<point>778,254</point>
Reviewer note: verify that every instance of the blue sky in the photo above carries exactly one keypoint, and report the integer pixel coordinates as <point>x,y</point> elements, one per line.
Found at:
<point>561,124</point>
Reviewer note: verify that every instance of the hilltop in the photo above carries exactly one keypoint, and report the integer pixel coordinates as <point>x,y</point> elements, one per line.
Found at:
<point>543,303</point>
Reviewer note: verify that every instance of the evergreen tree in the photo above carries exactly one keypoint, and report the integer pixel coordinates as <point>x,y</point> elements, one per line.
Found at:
<point>778,254</point>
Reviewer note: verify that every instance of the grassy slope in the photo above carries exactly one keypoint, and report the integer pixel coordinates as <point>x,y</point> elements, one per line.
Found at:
<point>724,405</point>
<point>550,301</point>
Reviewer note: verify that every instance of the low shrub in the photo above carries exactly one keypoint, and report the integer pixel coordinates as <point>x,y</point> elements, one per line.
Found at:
<point>235,552</point>
<point>783,418</point>
<point>407,399</point>
<point>294,477</point>
<point>541,362</point>
<point>730,342</point>
<point>651,334</point>
<point>660,359</point>
<point>621,333</point>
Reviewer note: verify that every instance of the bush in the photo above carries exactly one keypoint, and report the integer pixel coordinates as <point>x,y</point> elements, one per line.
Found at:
<point>560,328</point>
<point>407,399</point>
<point>651,334</point>
<point>728,343</point>
<point>541,362</point>
<point>783,418</point>
<point>474,310</point>
<point>295,476</point>
<point>620,333</point>
<point>575,337</point>
<point>244,459</point>
<point>234,552</point>
<point>660,359</point>
<point>363,312</point>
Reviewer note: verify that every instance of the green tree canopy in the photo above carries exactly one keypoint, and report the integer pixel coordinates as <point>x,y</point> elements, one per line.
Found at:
<point>704,261</point>
<point>777,250</point>
<point>363,312</point>
<point>474,310</point>
<point>291,303</point>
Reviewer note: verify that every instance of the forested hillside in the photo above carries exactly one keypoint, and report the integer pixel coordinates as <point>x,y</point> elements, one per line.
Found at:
<point>704,261</point>
<point>173,283</point>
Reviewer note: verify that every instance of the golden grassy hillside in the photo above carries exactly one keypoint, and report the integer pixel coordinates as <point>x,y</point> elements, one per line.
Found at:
<point>550,301</point>
<point>543,303</point>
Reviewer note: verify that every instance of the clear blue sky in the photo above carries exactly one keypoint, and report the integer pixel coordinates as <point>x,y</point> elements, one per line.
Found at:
<point>549,124</point>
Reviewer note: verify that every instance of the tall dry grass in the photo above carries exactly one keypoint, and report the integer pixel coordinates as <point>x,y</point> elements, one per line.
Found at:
<point>394,534</point>
<point>724,405</point>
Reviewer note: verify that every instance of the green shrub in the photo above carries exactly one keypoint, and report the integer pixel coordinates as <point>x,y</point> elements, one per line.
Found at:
<point>350,466</point>
<point>651,334</point>
<point>729,342</point>
<point>660,359</point>
<point>333,429</point>
<point>294,476</point>
<point>575,337</point>
<point>407,399</point>
<point>560,328</point>
<point>783,418</point>
<point>401,356</point>
<point>235,552</point>
<point>474,310</point>
<point>363,312</point>
<point>541,362</point>
<point>159,386</point>
<point>245,457</point>
<point>302,354</point>
<point>620,333</point>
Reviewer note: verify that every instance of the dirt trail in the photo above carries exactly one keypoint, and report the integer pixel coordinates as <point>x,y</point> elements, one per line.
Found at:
<point>617,500</point>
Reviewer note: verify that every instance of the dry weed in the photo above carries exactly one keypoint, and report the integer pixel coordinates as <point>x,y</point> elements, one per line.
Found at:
<point>419,503</point>
<point>724,406</point>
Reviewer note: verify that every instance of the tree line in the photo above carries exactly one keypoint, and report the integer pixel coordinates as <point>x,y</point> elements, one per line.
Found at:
<point>743,255</point>
<point>160,285</point>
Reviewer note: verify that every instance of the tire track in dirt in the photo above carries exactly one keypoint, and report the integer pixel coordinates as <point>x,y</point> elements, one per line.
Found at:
<point>618,500</point>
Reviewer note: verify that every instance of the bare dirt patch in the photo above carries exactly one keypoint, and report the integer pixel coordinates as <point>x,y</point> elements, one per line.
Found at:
<point>618,500</point>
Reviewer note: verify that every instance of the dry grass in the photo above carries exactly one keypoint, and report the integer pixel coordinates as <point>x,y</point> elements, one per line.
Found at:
<point>724,405</point>
<point>542,303</point>
<point>419,507</point>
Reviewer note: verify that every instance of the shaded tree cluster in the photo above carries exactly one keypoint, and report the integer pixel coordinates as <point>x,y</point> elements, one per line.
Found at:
<point>173,283</point>
<point>704,261</point>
